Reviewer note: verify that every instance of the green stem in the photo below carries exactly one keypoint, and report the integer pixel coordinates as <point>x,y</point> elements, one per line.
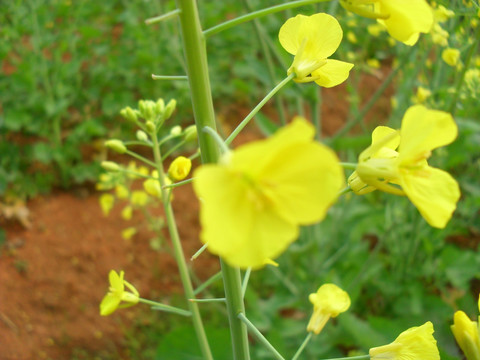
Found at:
<point>461,78</point>
<point>260,336</point>
<point>257,108</point>
<point>304,343</point>
<point>167,308</point>
<point>199,252</point>
<point>178,253</point>
<point>262,39</point>
<point>169,77</point>
<point>141,158</point>
<point>235,306</point>
<point>199,81</point>
<point>256,14</point>
<point>173,149</point>
<point>208,300</point>
<point>220,142</point>
<point>180,183</point>
<point>208,282</point>
<point>245,281</point>
<point>166,16</point>
<point>345,191</point>
<point>350,166</point>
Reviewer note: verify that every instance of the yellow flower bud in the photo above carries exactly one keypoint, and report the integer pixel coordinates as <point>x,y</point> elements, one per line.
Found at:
<point>141,135</point>
<point>121,191</point>
<point>139,198</point>
<point>116,145</point>
<point>451,56</point>
<point>128,233</point>
<point>179,168</point>
<point>466,334</point>
<point>153,188</point>
<point>110,166</point>
<point>422,95</point>
<point>127,212</point>
<point>106,203</point>
<point>170,108</point>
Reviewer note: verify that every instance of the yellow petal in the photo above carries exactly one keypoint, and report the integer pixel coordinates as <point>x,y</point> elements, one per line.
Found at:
<point>382,137</point>
<point>333,73</point>
<point>433,191</point>
<point>237,223</point>
<point>320,34</point>
<point>116,280</point>
<point>109,304</point>
<point>424,130</point>
<point>330,299</point>
<point>407,18</point>
<point>305,180</point>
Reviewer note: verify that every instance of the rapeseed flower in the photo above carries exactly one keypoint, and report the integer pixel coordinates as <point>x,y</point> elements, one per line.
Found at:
<point>405,171</point>
<point>404,19</point>
<point>451,56</point>
<point>414,343</point>
<point>117,294</point>
<point>254,200</point>
<point>179,168</point>
<point>328,302</point>
<point>312,39</point>
<point>466,334</point>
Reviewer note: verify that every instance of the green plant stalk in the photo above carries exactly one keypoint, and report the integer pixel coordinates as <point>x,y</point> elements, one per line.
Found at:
<point>169,77</point>
<point>260,336</point>
<point>208,282</point>
<point>197,69</point>
<point>256,14</point>
<point>179,256</point>
<point>141,158</point>
<point>257,108</point>
<point>166,16</point>
<point>304,344</point>
<point>167,308</point>
<point>452,106</point>
<point>269,61</point>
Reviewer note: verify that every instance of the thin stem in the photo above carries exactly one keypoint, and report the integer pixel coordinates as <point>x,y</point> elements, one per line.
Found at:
<point>169,77</point>
<point>134,142</point>
<point>304,344</point>
<point>258,107</point>
<point>220,142</point>
<point>245,281</point>
<point>178,253</point>
<point>166,16</point>
<point>177,184</point>
<point>141,158</point>
<point>350,166</point>
<point>208,300</point>
<point>167,308</point>
<point>345,191</point>
<point>260,336</point>
<point>461,78</point>
<point>256,14</point>
<point>208,282</point>
<point>173,149</point>
<point>199,252</point>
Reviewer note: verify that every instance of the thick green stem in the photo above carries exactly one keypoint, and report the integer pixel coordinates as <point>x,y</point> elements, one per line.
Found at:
<point>256,14</point>
<point>179,256</point>
<point>197,70</point>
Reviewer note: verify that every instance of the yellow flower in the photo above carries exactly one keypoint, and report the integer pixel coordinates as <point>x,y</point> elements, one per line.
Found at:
<point>312,39</point>
<point>254,200</point>
<point>414,343</point>
<point>179,168</point>
<point>127,212</point>
<point>139,198</point>
<point>121,191</point>
<point>404,19</point>
<point>422,95</point>
<point>106,203</point>
<point>116,294</point>
<point>328,302</point>
<point>128,232</point>
<point>451,56</point>
<point>465,332</point>
<point>406,171</point>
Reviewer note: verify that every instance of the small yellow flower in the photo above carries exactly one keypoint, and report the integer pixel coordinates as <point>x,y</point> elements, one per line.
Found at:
<point>414,343</point>
<point>121,191</point>
<point>451,56</point>
<point>466,334</point>
<point>406,171</point>
<point>106,203</point>
<point>404,19</point>
<point>254,200</point>
<point>312,39</point>
<point>374,63</point>
<point>422,95</point>
<point>328,302</point>
<point>179,168</point>
<point>127,212</point>
<point>139,198</point>
<point>128,233</point>
<point>117,294</point>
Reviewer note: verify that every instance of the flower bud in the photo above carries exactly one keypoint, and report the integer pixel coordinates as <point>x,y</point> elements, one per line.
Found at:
<point>129,114</point>
<point>142,136</point>
<point>190,133</point>
<point>116,145</point>
<point>150,127</point>
<point>176,130</point>
<point>170,108</point>
<point>179,168</point>
<point>110,166</point>
<point>160,106</point>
